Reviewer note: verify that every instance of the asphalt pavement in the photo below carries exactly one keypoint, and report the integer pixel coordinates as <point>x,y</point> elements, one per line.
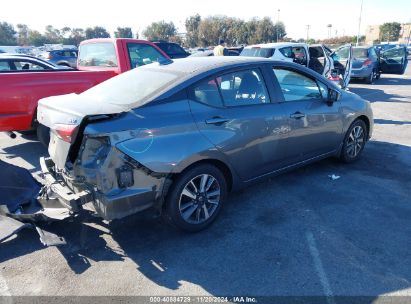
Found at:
<point>299,234</point>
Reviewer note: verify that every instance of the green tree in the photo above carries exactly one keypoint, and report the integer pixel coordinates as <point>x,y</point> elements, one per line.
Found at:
<point>76,36</point>
<point>22,34</point>
<point>279,31</point>
<point>192,23</point>
<point>160,31</point>
<point>53,35</point>
<point>96,32</point>
<point>265,31</point>
<point>123,32</point>
<point>7,34</point>
<point>390,31</point>
<point>36,38</point>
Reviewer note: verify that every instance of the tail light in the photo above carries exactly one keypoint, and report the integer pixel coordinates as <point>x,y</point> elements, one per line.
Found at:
<point>367,62</point>
<point>48,56</point>
<point>66,132</point>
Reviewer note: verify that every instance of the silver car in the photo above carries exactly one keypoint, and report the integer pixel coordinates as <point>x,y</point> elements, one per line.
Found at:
<point>179,136</point>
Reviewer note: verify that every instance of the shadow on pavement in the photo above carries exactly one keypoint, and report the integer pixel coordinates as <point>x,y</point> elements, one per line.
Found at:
<point>391,122</point>
<point>372,94</point>
<point>270,237</point>
<point>30,151</point>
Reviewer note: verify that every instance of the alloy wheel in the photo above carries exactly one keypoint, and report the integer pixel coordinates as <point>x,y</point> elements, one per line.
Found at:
<point>199,199</point>
<point>355,141</point>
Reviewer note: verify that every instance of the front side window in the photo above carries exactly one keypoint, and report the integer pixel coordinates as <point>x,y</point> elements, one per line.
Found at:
<point>206,92</point>
<point>142,54</point>
<point>22,65</point>
<point>243,88</point>
<point>296,86</point>
<point>299,55</point>
<point>102,54</point>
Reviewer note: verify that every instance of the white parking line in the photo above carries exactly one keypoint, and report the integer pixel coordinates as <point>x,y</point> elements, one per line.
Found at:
<point>319,268</point>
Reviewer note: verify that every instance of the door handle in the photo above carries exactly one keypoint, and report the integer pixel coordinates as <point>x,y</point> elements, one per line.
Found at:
<point>216,120</point>
<point>297,115</point>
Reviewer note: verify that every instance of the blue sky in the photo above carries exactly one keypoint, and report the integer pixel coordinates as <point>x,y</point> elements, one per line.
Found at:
<point>296,14</point>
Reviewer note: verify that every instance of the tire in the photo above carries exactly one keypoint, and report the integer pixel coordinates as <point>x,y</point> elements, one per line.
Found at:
<point>354,141</point>
<point>370,78</point>
<point>43,135</point>
<point>186,208</point>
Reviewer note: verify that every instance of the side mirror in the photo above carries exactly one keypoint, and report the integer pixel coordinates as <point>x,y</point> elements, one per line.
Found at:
<point>333,95</point>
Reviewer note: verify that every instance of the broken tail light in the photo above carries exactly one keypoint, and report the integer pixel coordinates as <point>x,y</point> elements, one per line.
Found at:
<point>66,132</point>
<point>367,62</point>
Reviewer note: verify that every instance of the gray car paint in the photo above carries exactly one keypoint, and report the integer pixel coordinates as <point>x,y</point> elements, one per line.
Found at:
<point>168,134</point>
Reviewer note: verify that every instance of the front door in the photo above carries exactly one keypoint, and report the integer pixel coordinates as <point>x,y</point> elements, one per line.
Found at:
<point>393,61</point>
<point>315,125</point>
<point>342,58</point>
<point>234,112</point>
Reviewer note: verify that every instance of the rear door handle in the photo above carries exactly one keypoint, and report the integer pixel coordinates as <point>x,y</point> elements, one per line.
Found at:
<point>297,115</point>
<point>216,121</point>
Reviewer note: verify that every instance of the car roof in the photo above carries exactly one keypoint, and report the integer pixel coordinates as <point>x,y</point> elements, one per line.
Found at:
<point>198,65</point>
<point>276,45</point>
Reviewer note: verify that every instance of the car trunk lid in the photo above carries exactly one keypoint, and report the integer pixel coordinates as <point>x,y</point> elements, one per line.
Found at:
<point>63,115</point>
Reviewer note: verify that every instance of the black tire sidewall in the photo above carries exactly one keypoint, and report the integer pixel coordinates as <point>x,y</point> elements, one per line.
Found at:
<point>344,156</point>
<point>43,134</point>
<point>172,211</point>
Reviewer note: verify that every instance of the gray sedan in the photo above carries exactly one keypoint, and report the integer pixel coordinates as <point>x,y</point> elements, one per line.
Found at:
<point>179,136</point>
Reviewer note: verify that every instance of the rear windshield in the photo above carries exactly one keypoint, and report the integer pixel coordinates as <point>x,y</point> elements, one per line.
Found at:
<point>258,52</point>
<point>360,53</point>
<point>133,88</point>
<point>102,54</point>
<point>171,48</point>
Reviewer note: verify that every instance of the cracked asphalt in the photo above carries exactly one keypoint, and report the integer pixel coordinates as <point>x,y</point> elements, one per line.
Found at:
<point>299,234</point>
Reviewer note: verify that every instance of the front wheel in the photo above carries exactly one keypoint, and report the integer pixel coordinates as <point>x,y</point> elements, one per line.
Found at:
<point>354,141</point>
<point>196,197</point>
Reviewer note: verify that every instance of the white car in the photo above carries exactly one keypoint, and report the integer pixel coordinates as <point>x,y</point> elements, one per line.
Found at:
<point>316,57</point>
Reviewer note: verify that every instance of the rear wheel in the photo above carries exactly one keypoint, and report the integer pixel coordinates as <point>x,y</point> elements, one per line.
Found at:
<point>196,197</point>
<point>43,134</point>
<point>354,141</point>
<point>370,78</point>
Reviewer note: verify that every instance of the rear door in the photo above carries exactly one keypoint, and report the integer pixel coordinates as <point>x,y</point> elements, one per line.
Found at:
<point>394,61</point>
<point>342,58</point>
<point>236,112</point>
<point>315,125</point>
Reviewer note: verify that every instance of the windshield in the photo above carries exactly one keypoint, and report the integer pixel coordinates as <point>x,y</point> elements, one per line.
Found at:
<point>101,54</point>
<point>171,48</point>
<point>258,52</point>
<point>360,53</point>
<point>132,88</point>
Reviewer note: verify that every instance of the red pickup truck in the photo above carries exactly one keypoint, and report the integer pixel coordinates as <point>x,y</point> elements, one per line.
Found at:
<point>98,60</point>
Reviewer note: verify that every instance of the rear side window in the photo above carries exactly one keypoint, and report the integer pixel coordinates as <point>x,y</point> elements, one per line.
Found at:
<point>258,52</point>
<point>206,92</point>
<point>287,52</point>
<point>243,88</point>
<point>102,54</point>
<point>171,48</point>
<point>22,65</point>
<point>296,86</point>
<point>142,54</point>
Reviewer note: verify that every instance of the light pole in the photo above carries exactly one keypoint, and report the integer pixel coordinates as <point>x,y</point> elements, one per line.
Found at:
<point>359,24</point>
<point>329,30</point>
<point>308,30</point>
<point>278,22</point>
